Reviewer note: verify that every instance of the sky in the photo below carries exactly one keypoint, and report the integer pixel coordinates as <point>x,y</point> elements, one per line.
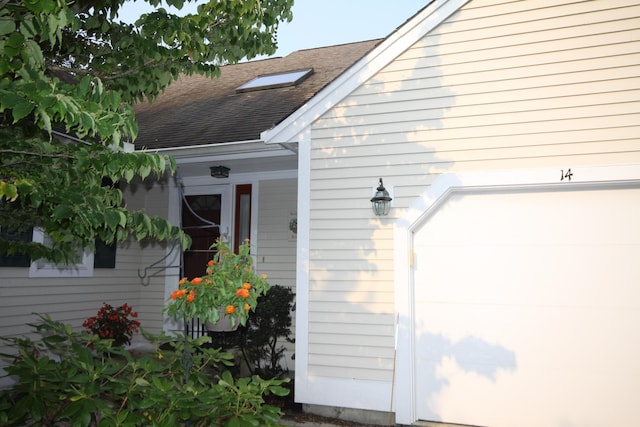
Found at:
<point>319,23</point>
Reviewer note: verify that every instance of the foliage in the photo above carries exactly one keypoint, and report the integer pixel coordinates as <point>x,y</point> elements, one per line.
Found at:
<point>230,284</point>
<point>70,72</point>
<point>260,342</point>
<point>78,379</point>
<point>113,323</point>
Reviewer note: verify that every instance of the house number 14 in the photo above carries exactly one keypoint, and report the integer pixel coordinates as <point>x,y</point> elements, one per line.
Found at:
<point>565,175</point>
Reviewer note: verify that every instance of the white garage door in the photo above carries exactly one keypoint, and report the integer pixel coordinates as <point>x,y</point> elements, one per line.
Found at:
<point>527,309</point>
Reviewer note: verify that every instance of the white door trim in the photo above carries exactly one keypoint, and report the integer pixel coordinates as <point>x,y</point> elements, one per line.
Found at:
<point>427,203</point>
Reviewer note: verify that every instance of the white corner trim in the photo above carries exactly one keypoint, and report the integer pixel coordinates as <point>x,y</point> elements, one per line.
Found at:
<point>302,264</point>
<point>392,47</point>
<point>427,203</point>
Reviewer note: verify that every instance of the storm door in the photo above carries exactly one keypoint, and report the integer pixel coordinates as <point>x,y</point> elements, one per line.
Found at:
<point>201,220</point>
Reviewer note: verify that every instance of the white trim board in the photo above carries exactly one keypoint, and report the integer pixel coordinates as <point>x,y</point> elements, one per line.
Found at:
<point>425,205</point>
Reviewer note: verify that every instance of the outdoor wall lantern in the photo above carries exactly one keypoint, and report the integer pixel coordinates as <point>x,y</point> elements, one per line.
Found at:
<point>381,202</point>
<point>219,171</point>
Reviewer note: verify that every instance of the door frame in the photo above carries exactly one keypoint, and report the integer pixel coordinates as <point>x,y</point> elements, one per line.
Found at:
<point>404,403</point>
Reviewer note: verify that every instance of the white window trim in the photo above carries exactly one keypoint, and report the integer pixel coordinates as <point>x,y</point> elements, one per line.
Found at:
<point>43,268</point>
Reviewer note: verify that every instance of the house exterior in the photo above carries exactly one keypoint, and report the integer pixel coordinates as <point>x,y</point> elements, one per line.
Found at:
<point>500,290</point>
<point>202,123</point>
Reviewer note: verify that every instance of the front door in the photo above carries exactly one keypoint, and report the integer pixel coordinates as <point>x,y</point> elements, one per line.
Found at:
<point>205,217</point>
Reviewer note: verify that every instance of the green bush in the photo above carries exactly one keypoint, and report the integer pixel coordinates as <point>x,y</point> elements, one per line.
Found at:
<point>261,340</point>
<point>79,379</point>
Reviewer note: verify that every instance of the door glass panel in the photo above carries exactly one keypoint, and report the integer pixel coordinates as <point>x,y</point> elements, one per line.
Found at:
<point>203,234</point>
<point>242,229</point>
<point>245,218</point>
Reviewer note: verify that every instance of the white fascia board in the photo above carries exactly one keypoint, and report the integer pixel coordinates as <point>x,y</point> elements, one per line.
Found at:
<point>214,157</point>
<point>224,148</point>
<point>291,129</point>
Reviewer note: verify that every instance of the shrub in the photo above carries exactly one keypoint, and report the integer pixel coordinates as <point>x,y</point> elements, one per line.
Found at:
<point>78,379</point>
<point>260,341</point>
<point>113,323</point>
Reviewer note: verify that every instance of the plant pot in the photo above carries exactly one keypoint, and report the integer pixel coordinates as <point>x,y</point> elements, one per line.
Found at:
<point>223,324</point>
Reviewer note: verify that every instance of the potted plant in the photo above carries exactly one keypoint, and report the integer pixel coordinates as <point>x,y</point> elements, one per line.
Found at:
<point>229,290</point>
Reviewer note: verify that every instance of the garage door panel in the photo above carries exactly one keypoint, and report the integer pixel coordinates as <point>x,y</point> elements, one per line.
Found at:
<point>526,306</point>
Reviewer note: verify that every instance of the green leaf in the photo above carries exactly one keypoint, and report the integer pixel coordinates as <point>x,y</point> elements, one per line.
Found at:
<point>63,212</point>
<point>21,110</point>
<point>10,99</point>
<point>6,26</point>
<point>142,382</point>
<point>9,191</point>
<point>86,120</point>
<point>279,391</point>
<point>32,53</point>
<point>27,28</point>
<point>112,218</point>
<point>13,44</point>
<point>128,175</point>
<point>45,120</point>
<point>144,171</point>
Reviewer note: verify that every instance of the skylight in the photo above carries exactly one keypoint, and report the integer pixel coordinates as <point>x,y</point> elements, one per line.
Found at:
<point>270,81</point>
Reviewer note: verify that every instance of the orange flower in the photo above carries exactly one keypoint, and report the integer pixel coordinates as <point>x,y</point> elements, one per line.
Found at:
<point>264,276</point>
<point>182,281</point>
<point>211,263</point>
<point>244,293</point>
<point>196,280</point>
<point>230,309</point>
<point>246,286</point>
<point>247,307</point>
<point>191,296</point>
<point>207,281</point>
<point>178,293</point>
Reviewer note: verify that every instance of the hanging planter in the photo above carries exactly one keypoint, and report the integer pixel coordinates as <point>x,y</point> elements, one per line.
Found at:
<point>226,293</point>
<point>224,324</point>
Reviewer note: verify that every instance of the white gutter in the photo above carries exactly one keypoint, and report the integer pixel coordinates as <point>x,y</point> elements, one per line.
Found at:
<point>188,147</point>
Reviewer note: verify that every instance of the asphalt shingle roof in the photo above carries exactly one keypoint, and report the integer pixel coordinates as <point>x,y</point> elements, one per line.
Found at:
<point>196,110</point>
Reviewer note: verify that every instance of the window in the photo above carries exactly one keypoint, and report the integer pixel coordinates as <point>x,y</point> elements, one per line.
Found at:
<point>104,257</point>
<point>271,81</point>
<point>83,266</point>
<point>17,260</point>
<point>242,220</point>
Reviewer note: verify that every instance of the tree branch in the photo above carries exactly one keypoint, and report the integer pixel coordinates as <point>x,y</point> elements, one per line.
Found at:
<point>29,153</point>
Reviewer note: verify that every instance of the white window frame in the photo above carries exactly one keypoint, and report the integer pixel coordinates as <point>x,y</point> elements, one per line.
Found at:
<point>44,268</point>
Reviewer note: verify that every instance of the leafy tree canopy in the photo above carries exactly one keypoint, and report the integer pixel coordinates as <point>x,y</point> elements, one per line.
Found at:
<point>70,72</point>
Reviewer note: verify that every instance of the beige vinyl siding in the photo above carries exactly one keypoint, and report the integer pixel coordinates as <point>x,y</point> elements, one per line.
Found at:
<point>276,255</point>
<point>499,85</point>
<point>150,291</point>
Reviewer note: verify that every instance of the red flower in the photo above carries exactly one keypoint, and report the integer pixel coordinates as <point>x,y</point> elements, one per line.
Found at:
<point>113,323</point>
